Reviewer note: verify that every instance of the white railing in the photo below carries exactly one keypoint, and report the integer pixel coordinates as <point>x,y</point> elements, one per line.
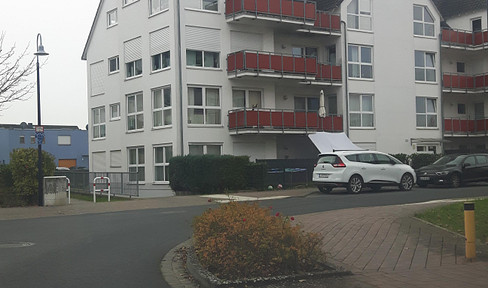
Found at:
<point>100,181</point>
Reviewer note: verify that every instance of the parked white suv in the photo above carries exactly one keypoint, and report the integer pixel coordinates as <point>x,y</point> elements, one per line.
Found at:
<point>358,169</point>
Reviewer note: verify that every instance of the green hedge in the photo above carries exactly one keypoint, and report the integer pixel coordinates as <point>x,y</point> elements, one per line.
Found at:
<point>206,174</point>
<point>417,160</point>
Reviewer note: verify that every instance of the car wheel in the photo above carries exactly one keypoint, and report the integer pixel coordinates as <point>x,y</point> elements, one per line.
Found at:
<point>325,189</point>
<point>455,180</point>
<point>406,183</point>
<point>355,184</point>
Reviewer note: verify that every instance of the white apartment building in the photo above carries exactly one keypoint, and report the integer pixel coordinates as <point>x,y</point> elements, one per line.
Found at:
<point>243,77</point>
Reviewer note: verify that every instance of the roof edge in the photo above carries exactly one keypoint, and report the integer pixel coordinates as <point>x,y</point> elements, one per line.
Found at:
<point>92,30</point>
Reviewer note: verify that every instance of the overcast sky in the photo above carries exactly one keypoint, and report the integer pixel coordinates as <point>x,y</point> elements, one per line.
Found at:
<point>64,26</point>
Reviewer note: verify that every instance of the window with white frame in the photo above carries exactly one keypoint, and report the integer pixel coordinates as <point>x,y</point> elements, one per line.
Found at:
<point>135,112</point>
<point>113,64</point>
<point>309,104</point>
<point>209,5</point>
<point>160,61</point>
<point>158,5</point>
<point>304,51</point>
<point>361,110</point>
<point>127,2</point>
<point>202,59</point>
<point>359,15</point>
<point>425,66</point>
<point>204,105</point>
<point>136,164</point>
<point>114,111</point>
<point>205,149</point>
<point>64,140</point>
<point>21,140</point>
<point>98,127</point>
<point>242,98</point>
<point>133,68</point>
<point>162,155</point>
<point>426,110</point>
<point>360,61</point>
<point>423,22</point>
<point>162,114</point>
<point>112,18</point>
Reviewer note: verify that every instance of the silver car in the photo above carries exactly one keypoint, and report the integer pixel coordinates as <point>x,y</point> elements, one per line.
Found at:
<point>358,169</point>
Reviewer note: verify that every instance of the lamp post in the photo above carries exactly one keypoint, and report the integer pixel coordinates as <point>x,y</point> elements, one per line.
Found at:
<point>39,128</point>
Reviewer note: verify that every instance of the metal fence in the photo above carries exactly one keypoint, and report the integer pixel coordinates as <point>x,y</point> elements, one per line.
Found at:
<point>289,172</point>
<point>120,182</point>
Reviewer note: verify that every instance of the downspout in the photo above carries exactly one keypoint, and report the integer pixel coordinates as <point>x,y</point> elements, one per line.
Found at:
<point>180,77</point>
<point>346,89</point>
<point>441,80</point>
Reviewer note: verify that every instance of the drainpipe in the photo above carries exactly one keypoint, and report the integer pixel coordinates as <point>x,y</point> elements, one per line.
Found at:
<point>344,61</point>
<point>441,80</point>
<point>180,77</point>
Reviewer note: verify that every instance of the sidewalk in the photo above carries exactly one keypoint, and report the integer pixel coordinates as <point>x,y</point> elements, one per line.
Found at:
<point>382,246</point>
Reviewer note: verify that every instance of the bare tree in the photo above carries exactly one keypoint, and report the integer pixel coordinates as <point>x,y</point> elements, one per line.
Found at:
<point>14,71</point>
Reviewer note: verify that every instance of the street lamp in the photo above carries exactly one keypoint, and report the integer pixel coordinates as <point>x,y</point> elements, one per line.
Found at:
<point>39,128</point>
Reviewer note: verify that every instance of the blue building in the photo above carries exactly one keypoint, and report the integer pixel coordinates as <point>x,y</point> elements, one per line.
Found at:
<point>68,144</point>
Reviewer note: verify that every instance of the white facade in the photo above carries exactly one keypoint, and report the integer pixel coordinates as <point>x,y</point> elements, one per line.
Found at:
<point>230,88</point>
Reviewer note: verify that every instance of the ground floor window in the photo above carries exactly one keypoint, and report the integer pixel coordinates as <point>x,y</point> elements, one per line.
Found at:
<point>361,110</point>
<point>162,155</point>
<point>202,149</point>
<point>136,164</point>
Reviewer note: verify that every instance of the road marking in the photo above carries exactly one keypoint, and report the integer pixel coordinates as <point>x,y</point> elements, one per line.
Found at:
<point>436,201</point>
<point>222,198</point>
<point>15,244</point>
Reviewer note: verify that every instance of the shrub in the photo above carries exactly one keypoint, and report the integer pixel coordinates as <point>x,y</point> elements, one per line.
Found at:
<point>404,158</point>
<point>23,163</point>
<point>256,173</point>
<point>241,240</point>
<point>420,160</point>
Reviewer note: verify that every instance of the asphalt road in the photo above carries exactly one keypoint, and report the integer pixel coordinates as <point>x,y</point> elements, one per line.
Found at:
<point>124,249</point>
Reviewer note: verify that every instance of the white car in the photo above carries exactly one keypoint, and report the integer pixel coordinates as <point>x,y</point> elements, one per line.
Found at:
<point>358,169</point>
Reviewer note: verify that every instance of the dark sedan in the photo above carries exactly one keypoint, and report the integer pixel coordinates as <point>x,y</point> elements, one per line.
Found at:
<point>454,170</point>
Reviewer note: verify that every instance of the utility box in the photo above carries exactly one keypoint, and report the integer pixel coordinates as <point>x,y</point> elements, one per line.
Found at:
<point>55,191</point>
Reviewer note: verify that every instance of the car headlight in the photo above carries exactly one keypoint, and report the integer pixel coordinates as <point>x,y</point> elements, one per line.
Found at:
<point>442,173</point>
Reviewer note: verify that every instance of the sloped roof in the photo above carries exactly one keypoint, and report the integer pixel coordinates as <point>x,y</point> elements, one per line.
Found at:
<point>450,8</point>
<point>92,29</point>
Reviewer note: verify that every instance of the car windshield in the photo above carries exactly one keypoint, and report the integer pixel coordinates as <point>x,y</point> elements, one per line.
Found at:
<point>449,159</point>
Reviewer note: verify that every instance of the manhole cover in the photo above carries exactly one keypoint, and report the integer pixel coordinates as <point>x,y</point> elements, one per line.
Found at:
<point>15,244</point>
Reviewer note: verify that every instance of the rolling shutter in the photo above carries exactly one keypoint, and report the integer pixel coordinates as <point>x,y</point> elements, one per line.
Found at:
<point>133,50</point>
<point>98,162</point>
<point>96,78</point>
<point>245,41</point>
<point>159,41</point>
<point>202,39</point>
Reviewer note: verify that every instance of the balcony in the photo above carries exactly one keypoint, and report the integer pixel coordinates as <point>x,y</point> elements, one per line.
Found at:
<point>276,65</point>
<point>465,127</point>
<point>455,38</point>
<point>291,11</point>
<point>462,83</point>
<point>274,121</point>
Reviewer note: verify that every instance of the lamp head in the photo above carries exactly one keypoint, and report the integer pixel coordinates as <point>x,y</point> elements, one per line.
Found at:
<point>40,51</point>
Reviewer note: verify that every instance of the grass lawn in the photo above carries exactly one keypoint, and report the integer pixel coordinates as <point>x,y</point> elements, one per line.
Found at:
<point>451,217</point>
<point>104,198</point>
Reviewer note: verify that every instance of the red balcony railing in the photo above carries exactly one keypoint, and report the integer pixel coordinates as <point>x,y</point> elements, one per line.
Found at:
<point>457,81</point>
<point>288,9</point>
<point>282,120</point>
<point>281,65</point>
<point>465,126</point>
<point>328,21</point>
<point>456,37</point>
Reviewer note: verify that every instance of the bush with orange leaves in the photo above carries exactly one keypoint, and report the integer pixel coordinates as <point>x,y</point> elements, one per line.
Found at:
<point>241,241</point>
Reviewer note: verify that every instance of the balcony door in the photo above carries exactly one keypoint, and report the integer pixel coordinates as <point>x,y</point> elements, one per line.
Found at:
<point>479,111</point>
<point>246,98</point>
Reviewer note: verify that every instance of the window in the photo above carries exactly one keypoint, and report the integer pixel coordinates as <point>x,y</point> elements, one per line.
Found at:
<point>212,5</point>
<point>33,139</point>
<point>22,140</point>
<point>424,66</point>
<point>115,111</point>
<point>98,115</point>
<point>242,98</point>
<point>361,112</point>
<point>135,113</point>
<point>136,164</point>
<point>134,68</point>
<point>201,149</point>
<point>127,2</point>
<point>113,64</point>
<point>310,104</point>
<point>112,18</point>
<point>460,67</point>
<point>426,110</point>
<point>203,59</point>
<point>359,15</point>
<point>158,5</point>
<point>204,105</point>
<point>476,25</point>
<point>423,22</point>
<point>304,51</point>
<point>360,63</point>
<point>160,61</point>
<point>461,108</point>
<point>64,140</point>
<point>162,155</point>
<point>162,115</point>
<point>427,149</point>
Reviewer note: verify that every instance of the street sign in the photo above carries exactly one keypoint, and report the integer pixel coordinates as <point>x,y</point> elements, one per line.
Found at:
<point>39,129</point>
<point>39,137</point>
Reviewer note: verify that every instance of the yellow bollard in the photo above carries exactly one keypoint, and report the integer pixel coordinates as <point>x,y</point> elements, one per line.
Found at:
<point>469,230</point>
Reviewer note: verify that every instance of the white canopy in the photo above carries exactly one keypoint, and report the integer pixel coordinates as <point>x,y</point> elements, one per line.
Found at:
<point>330,142</point>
